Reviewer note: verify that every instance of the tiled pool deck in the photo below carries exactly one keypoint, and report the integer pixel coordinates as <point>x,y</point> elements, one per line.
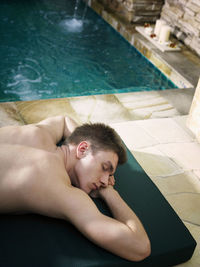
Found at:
<point>152,124</point>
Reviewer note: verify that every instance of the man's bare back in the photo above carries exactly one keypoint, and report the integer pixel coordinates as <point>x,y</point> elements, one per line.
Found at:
<point>30,168</point>
<point>40,177</point>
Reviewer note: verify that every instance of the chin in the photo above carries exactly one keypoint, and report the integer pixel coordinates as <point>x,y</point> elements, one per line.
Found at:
<point>85,189</point>
<point>83,186</point>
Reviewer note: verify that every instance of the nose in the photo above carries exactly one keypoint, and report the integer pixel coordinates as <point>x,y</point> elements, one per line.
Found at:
<point>104,180</point>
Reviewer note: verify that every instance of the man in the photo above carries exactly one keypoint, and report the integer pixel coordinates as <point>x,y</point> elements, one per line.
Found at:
<point>37,175</point>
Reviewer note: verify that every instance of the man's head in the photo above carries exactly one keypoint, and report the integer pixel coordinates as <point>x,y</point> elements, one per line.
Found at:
<point>101,137</point>
<point>99,150</point>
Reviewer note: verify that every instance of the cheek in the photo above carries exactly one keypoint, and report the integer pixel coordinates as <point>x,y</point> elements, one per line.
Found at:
<point>85,167</point>
<point>84,171</point>
<point>88,164</point>
<point>88,167</point>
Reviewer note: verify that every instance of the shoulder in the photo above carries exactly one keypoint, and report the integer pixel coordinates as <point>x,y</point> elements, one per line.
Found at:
<point>48,164</point>
<point>27,135</point>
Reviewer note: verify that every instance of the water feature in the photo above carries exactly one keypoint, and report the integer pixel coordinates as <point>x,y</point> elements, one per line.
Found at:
<point>76,8</point>
<point>51,49</point>
<point>85,9</point>
<point>75,24</point>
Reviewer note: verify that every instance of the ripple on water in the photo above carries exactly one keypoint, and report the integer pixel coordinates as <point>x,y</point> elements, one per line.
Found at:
<point>22,78</point>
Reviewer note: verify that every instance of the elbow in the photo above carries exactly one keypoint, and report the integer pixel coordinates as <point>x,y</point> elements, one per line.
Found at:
<point>144,251</point>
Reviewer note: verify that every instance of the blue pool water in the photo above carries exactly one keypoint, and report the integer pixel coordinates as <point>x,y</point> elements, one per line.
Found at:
<point>49,49</point>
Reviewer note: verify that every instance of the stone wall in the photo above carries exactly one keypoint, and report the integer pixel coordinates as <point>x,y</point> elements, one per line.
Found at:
<point>184,18</point>
<point>135,11</point>
<point>182,15</point>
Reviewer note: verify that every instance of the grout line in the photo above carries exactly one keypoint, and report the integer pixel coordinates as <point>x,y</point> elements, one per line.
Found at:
<point>187,221</point>
<point>181,193</point>
<point>159,143</point>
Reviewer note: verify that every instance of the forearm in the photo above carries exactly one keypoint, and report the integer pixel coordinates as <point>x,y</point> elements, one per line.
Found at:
<point>109,233</point>
<point>123,213</point>
<point>120,210</point>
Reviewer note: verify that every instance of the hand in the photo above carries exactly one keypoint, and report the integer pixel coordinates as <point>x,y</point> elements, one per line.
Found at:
<point>111,180</point>
<point>97,193</point>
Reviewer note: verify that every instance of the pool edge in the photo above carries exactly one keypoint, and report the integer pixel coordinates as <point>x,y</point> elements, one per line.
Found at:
<point>150,52</point>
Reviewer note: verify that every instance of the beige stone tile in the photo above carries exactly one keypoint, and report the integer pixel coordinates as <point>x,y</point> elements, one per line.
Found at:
<point>165,130</point>
<point>34,111</point>
<point>160,64</point>
<point>133,135</point>
<point>110,18</point>
<point>195,260</point>
<point>108,109</point>
<point>135,97</point>
<point>182,122</point>
<point>146,103</point>
<point>155,163</point>
<point>186,155</point>
<point>146,51</point>
<point>165,113</point>
<point>197,173</point>
<point>179,80</point>
<point>184,182</point>
<point>187,206</point>
<point>83,106</point>
<point>9,114</point>
<point>146,113</point>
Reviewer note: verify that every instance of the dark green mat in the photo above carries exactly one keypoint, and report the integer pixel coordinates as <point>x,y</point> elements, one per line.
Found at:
<point>34,240</point>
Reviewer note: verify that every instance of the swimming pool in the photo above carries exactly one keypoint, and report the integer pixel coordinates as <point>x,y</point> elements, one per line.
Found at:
<point>50,49</point>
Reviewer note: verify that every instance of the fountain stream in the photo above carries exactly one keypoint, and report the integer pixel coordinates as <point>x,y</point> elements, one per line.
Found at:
<point>85,9</point>
<point>76,8</point>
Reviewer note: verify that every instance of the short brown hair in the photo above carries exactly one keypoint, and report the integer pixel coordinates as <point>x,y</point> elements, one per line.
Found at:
<point>101,137</point>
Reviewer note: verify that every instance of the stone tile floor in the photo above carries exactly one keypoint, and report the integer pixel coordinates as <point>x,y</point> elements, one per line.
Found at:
<point>170,155</point>
<point>153,128</point>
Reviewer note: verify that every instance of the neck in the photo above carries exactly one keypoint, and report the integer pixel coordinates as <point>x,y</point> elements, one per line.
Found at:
<point>70,161</point>
<point>66,157</point>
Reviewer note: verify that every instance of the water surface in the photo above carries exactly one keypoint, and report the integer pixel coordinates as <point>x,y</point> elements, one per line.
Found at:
<point>51,49</point>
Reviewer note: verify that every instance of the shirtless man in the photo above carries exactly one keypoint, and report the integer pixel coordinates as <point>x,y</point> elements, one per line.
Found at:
<point>38,176</point>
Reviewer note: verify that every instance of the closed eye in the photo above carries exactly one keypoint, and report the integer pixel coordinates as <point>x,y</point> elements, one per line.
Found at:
<point>105,167</point>
<point>108,168</point>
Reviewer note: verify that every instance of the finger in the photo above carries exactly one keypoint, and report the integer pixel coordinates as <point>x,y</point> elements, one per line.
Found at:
<point>112,180</point>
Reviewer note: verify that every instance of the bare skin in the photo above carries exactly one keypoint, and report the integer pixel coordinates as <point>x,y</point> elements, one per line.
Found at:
<point>38,176</point>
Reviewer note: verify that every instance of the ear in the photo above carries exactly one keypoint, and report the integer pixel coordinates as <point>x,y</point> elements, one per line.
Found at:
<point>82,149</point>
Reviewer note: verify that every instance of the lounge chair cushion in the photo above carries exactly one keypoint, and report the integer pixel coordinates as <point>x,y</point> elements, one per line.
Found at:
<point>34,240</point>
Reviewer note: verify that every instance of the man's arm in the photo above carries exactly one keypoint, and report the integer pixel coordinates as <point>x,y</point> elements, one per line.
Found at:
<point>59,127</point>
<point>124,214</point>
<point>122,235</point>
